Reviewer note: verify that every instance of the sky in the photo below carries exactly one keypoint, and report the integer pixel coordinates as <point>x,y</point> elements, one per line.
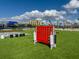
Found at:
<point>27,9</point>
<point>9,8</point>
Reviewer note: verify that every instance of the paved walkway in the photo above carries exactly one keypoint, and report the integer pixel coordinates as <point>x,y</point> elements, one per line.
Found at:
<point>67,29</point>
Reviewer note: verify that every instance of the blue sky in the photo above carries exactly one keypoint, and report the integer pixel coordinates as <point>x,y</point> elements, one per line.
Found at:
<point>9,8</point>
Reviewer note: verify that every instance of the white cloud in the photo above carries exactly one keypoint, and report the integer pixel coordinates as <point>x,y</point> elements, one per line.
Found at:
<point>70,21</point>
<point>16,17</point>
<point>50,13</point>
<point>72,4</point>
<point>34,13</point>
<point>76,21</point>
<point>63,12</point>
<point>73,11</point>
<point>53,13</point>
<point>20,17</point>
<point>39,15</point>
<point>39,19</point>
<point>29,15</point>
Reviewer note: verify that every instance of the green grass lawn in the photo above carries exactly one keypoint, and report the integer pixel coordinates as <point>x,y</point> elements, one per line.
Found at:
<point>23,47</point>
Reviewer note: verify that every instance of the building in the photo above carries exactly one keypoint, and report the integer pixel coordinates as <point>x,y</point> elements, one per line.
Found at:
<point>11,23</point>
<point>35,22</point>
